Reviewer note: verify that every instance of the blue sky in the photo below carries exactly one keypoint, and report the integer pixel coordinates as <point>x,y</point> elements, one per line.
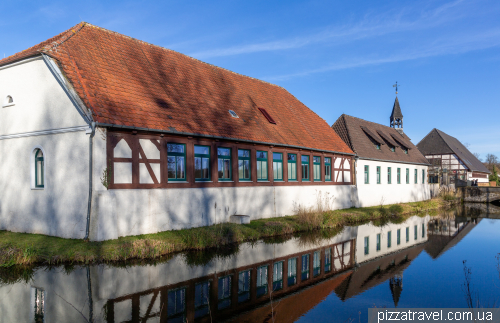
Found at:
<point>335,56</point>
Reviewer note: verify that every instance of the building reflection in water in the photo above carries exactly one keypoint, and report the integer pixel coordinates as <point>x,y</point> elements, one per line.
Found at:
<point>262,281</point>
<point>221,295</point>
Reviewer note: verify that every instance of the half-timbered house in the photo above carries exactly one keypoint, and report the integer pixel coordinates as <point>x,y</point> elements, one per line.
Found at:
<point>389,168</point>
<point>103,135</point>
<point>451,160</point>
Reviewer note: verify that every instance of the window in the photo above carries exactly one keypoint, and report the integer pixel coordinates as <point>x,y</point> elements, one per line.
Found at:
<point>407,176</point>
<point>224,162</point>
<point>244,286</point>
<point>262,165</point>
<point>261,281</point>
<point>416,176</point>
<point>393,149</point>
<point>305,267</point>
<point>317,168</point>
<point>379,238</point>
<point>224,292</point>
<point>389,239</point>
<point>399,175</point>
<point>39,169</point>
<point>415,233</point>
<point>305,168</point>
<point>367,174</point>
<point>244,169</point>
<point>201,299</point>
<point>176,162</point>
<point>378,175</point>
<point>177,304</point>
<point>292,167</point>
<point>38,304</point>
<point>8,101</point>
<point>202,163</point>
<point>278,166</point>
<point>407,234</point>
<point>398,237</point>
<point>267,115</point>
<point>377,146</point>
<point>367,245</point>
<point>423,176</point>
<point>316,263</point>
<point>328,259</point>
<point>292,271</point>
<point>405,150</point>
<point>277,275</point>
<point>389,175</point>
<point>233,114</point>
<point>423,230</point>
<point>328,169</point>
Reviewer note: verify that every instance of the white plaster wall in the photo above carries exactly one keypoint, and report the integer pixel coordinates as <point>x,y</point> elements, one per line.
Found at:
<point>118,213</point>
<point>376,194</point>
<point>369,230</point>
<point>41,104</point>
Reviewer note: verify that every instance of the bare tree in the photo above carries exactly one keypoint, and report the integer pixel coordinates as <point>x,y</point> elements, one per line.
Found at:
<point>491,159</point>
<point>478,156</point>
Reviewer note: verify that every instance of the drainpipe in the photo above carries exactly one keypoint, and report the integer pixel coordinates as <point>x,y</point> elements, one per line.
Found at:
<point>89,206</point>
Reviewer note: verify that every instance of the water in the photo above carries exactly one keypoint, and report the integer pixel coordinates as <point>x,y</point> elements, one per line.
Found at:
<point>326,277</point>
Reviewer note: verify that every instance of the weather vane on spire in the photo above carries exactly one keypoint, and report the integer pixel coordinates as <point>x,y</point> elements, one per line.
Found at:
<point>396,86</point>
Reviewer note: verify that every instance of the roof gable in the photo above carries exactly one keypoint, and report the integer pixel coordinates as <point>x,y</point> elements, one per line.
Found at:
<point>127,82</point>
<point>438,142</point>
<point>359,131</point>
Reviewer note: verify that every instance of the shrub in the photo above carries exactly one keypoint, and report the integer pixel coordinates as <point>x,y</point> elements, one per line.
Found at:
<point>395,209</point>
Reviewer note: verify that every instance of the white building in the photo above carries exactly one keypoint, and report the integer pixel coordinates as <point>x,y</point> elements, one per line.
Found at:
<point>102,136</point>
<point>389,168</point>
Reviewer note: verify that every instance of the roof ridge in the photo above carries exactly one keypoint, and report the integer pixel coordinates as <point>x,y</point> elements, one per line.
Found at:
<point>171,50</point>
<point>48,41</point>
<point>369,121</point>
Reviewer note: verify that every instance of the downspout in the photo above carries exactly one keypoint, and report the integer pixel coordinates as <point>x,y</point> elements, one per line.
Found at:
<point>89,205</point>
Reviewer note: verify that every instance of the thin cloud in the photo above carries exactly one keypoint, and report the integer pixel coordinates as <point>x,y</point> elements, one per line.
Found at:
<point>457,45</point>
<point>389,22</point>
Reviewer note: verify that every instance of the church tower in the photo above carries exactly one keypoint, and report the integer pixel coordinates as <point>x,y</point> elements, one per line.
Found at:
<point>396,115</point>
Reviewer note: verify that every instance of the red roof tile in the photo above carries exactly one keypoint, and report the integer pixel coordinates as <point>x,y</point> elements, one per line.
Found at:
<point>128,82</point>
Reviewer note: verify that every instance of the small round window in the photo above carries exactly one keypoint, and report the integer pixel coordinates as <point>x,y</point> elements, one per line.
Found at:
<point>8,101</point>
<point>233,114</point>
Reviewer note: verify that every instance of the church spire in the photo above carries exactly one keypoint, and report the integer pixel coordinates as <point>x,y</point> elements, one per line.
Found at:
<point>396,115</point>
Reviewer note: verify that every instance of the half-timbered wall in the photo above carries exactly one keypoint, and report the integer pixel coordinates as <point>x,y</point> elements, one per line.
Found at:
<point>141,198</point>
<point>140,161</point>
<point>449,167</point>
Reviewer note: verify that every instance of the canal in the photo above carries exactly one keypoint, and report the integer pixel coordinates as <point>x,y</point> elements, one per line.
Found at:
<point>422,262</point>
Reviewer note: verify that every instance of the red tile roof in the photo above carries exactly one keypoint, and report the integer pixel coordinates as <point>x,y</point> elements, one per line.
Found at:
<point>127,82</point>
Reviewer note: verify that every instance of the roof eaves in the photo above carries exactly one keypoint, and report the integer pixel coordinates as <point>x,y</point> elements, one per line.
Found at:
<point>108,125</point>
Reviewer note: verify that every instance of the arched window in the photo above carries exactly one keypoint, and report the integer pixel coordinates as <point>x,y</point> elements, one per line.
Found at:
<point>8,101</point>
<point>39,169</point>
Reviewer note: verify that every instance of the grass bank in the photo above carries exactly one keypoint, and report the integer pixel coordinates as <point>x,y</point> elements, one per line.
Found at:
<point>29,249</point>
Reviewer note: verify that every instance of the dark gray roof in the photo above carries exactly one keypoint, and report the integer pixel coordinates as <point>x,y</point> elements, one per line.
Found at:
<point>396,110</point>
<point>438,142</point>
<point>360,135</point>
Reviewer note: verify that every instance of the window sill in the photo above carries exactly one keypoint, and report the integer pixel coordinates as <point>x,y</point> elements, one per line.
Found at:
<point>263,181</point>
<point>226,181</point>
<point>37,188</point>
<point>245,181</point>
<point>8,105</point>
<point>177,182</point>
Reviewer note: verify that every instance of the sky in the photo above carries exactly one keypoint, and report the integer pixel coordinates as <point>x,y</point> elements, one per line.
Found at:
<point>335,56</point>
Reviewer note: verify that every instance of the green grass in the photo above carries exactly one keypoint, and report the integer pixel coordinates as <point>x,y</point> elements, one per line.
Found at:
<point>28,249</point>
